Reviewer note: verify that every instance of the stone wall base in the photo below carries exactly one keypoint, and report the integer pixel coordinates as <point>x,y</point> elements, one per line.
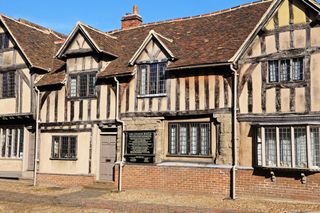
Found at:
<point>65,180</point>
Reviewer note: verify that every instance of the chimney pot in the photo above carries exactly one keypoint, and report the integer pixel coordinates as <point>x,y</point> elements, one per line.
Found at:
<point>131,19</point>
<point>135,10</point>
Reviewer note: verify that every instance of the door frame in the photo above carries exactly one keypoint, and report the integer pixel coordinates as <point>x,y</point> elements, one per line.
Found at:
<point>105,133</point>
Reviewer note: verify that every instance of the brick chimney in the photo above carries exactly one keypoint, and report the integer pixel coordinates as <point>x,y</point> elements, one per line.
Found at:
<point>131,20</point>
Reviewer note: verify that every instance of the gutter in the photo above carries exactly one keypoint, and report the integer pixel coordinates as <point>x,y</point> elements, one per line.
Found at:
<point>37,137</point>
<point>121,163</point>
<point>233,67</point>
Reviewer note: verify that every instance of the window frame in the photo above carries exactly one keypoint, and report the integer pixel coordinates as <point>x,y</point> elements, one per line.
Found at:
<point>88,88</point>
<point>8,85</point>
<point>60,137</point>
<point>160,89</point>
<point>277,75</point>
<point>13,148</point>
<point>4,41</point>
<point>309,164</point>
<point>188,136</point>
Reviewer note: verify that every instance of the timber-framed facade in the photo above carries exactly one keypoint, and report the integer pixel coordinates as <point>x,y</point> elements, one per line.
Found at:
<point>224,103</point>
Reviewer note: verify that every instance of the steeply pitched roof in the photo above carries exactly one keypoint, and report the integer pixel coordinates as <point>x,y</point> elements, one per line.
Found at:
<point>100,41</point>
<point>105,42</point>
<point>205,39</point>
<point>37,43</point>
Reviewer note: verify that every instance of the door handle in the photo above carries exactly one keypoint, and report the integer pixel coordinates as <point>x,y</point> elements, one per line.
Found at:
<point>108,160</point>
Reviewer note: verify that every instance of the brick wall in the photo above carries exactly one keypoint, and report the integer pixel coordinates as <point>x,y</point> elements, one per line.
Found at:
<point>287,185</point>
<point>217,181</point>
<point>182,179</point>
<point>65,180</point>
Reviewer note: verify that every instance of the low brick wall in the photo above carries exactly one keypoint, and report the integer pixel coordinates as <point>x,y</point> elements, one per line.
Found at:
<point>65,180</point>
<point>286,185</point>
<point>182,179</point>
<point>217,181</point>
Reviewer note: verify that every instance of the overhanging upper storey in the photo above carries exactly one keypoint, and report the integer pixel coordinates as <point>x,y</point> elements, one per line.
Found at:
<point>87,40</point>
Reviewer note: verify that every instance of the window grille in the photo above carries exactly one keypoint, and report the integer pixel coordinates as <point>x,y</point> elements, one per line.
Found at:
<point>189,139</point>
<point>8,84</point>
<point>11,142</point>
<point>287,146</point>
<point>82,85</point>
<point>271,146</point>
<point>152,79</point>
<point>300,146</point>
<point>287,70</point>
<point>4,41</point>
<point>64,147</point>
<point>315,145</point>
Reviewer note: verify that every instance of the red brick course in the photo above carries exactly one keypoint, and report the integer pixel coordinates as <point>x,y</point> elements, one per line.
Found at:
<point>217,181</point>
<point>65,180</point>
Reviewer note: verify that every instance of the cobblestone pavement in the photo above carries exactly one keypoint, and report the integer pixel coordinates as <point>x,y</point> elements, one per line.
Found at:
<point>17,196</point>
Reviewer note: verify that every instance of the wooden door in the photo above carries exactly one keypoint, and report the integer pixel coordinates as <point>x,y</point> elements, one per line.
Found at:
<point>107,157</point>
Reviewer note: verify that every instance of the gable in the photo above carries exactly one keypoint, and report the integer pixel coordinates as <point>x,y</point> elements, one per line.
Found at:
<point>78,44</point>
<point>10,56</point>
<point>291,12</point>
<point>152,52</point>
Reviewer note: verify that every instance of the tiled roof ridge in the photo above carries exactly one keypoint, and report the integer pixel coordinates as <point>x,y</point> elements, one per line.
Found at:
<point>219,12</point>
<point>98,31</point>
<point>32,25</point>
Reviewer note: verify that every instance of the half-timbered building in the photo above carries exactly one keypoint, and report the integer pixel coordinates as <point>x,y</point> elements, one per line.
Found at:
<point>26,53</point>
<point>225,102</point>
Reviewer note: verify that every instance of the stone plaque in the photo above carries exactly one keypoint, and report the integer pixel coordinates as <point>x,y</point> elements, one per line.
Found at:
<point>140,147</point>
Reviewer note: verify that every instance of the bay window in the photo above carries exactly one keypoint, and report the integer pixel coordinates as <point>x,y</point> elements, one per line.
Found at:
<point>296,146</point>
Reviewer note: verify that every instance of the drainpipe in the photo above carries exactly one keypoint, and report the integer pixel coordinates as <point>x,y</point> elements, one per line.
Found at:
<point>234,127</point>
<point>37,138</point>
<point>122,139</point>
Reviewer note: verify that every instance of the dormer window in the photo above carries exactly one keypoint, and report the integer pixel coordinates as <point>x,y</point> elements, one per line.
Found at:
<point>152,78</point>
<point>82,85</point>
<point>4,41</point>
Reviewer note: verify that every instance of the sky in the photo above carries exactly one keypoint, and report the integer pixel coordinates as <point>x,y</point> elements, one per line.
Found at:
<point>105,15</point>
